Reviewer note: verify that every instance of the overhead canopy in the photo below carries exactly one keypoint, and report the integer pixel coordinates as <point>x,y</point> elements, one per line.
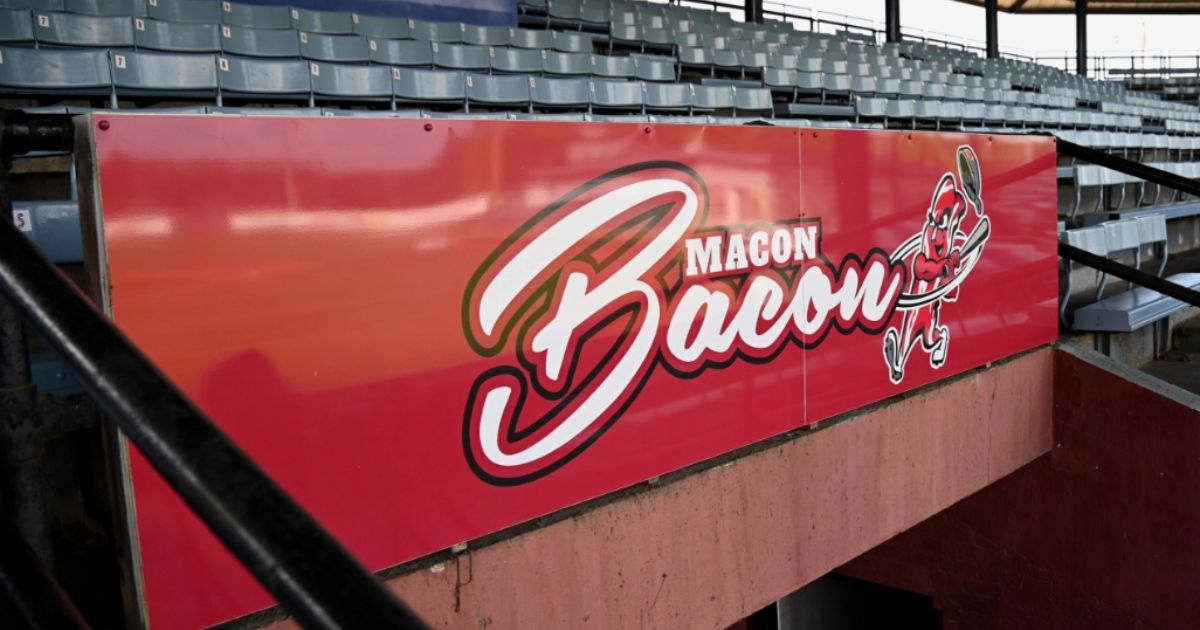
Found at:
<point>1095,6</point>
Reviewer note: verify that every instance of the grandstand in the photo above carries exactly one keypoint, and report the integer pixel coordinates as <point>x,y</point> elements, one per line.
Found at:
<point>1124,166</point>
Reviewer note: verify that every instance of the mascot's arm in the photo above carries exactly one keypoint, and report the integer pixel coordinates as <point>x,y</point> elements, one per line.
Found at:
<point>927,269</point>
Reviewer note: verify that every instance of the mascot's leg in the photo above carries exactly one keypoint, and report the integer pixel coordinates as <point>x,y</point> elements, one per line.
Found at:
<point>937,337</point>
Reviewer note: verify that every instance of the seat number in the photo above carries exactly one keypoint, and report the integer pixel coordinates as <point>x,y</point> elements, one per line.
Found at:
<point>23,220</point>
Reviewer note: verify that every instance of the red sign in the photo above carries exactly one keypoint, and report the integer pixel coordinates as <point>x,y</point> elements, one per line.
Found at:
<point>428,331</point>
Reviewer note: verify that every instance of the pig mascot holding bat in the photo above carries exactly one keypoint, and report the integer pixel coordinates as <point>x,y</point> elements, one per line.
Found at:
<point>938,260</point>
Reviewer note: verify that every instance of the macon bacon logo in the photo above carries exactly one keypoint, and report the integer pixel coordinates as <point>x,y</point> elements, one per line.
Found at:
<point>621,277</point>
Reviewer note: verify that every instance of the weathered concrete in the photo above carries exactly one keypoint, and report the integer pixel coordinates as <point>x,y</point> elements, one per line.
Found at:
<point>1099,534</point>
<point>708,548</point>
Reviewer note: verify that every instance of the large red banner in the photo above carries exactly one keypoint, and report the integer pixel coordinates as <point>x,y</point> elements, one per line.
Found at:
<point>428,331</point>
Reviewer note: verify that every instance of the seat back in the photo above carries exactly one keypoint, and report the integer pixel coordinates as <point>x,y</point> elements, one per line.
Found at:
<point>162,72</point>
<point>572,92</point>
<point>447,32</point>
<point>16,25</point>
<point>461,56</point>
<point>429,85</point>
<point>616,94</point>
<point>186,11</point>
<point>713,97</point>
<point>257,42</point>
<point>255,16</point>
<point>52,69</point>
<point>381,27</point>
<point>275,77</point>
<point>486,35</point>
<point>335,48</point>
<point>329,22</point>
<point>66,29</point>
<point>612,67</point>
<point>350,81</point>
<point>517,60</point>
<point>394,52</point>
<point>175,37</point>
<point>676,96</point>
<point>497,90</point>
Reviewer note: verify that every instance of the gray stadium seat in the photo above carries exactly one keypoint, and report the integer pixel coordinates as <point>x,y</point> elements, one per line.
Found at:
<point>240,77</point>
<point>486,35</point>
<point>752,100</point>
<point>65,29</point>
<point>382,27</point>
<point>50,71</point>
<point>328,22</point>
<point>782,80</point>
<point>698,58</point>
<point>333,48</point>
<point>16,26</point>
<point>621,95</point>
<point>348,82</point>
<point>394,52</point>
<point>38,5</point>
<point>673,97</point>
<point>494,91</point>
<point>109,8</point>
<point>259,42</point>
<point>516,60</point>
<point>648,69</point>
<point>444,87</point>
<point>188,11</point>
<point>173,37</point>
<point>461,56</point>
<point>566,64</point>
<point>164,75</point>
<point>612,67</point>
<point>572,42</point>
<point>559,93</point>
<point>525,38</point>
<point>255,16</point>
<point>436,31</point>
<point>712,97</point>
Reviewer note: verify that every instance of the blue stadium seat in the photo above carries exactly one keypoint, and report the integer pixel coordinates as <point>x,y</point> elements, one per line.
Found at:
<point>260,42</point>
<point>55,71</point>
<point>382,27</point>
<point>187,11</point>
<point>16,26</point>
<point>461,56</point>
<point>262,79</point>
<point>109,8</point>
<point>173,37</point>
<point>328,22</point>
<point>395,52</point>
<point>429,87</point>
<point>347,82</point>
<point>436,31</point>
<point>334,48</point>
<point>66,29</point>
<point>255,16</point>
<point>497,91</point>
<point>148,74</point>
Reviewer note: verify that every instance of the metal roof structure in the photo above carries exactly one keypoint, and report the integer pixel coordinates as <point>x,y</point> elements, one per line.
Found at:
<point>1093,6</point>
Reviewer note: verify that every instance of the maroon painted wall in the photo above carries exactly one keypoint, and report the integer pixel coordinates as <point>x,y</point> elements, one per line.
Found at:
<point>1103,532</point>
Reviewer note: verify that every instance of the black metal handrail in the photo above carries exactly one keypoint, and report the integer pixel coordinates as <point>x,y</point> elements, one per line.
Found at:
<point>311,575</point>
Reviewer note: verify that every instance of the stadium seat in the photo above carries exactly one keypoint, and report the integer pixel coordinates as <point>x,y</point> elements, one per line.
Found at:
<point>333,48</point>
<point>394,52</point>
<point>615,95</point>
<point>66,29</point>
<point>652,69</point>
<point>667,97</point>
<point>189,11</point>
<point>267,79</point>
<point>106,8</point>
<point>566,64</point>
<point>429,87</point>
<point>38,5</point>
<point>497,91</point>
<point>16,26</point>
<point>516,60</point>
<point>257,42</point>
<point>172,37</point>
<point>572,42</point>
<point>525,38</point>
<point>461,56</point>
<point>610,67</point>
<point>149,74</point>
<point>255,16</point>
<point>382,27</point>
<point>710,98</point>
<point>348,82</point>
<point>752,100</point>
<point>547,93</point>
<point>55,72</point>
<point>486,35</point>
<point>436,31</point>
<point>328,22</point>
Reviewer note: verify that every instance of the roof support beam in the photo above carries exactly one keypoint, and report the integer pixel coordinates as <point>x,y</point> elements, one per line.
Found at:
<point>1081,37</point>
<point>891,14</point>
<point>990,11</point>
<point>754,11</point>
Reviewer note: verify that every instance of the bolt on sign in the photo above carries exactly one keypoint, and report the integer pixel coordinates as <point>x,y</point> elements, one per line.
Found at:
<point>431,331</point>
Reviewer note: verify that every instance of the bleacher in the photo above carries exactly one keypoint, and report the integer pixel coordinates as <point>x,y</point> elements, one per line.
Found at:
<point>583,60</point>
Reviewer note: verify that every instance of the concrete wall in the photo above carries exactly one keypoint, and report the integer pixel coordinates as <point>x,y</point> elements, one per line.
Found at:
<point>1102,533</point>
<point>708,547</point>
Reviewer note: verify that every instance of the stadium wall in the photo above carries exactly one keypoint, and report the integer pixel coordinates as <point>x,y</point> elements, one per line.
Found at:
<point>1098,534</point>
<point>705,547</point>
